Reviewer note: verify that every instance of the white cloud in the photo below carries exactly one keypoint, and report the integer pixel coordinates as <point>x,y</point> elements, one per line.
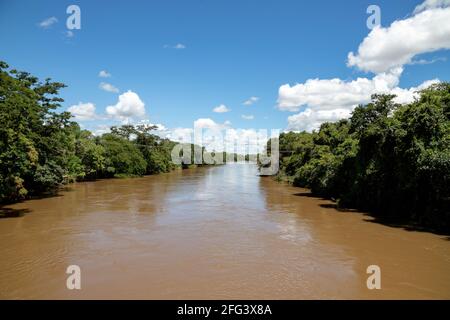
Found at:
<point>220,137</point>
<point>396,45</point>
<point>310,119</point>
<point>208,133</point>
<point>335,93</point>
<point>408,95</point>
<point>431,4</point>
<point>178,46</point>
<point>247,117</point>
<point>221,109</point>
<point>129,106</point>
<point>321,110</point>
<point>207,123</point>
<point>69,34</point>
<point>180,135</point>
<point>108,87</point>
<point>101,129</point>
<point>83,111</point>
<point>425,61</point>
<point>159,127</point>
<point>245,141</point>
<point>334,99</point>
<point>47,23</point>
<point>104,74</point>
<point>251,101</point>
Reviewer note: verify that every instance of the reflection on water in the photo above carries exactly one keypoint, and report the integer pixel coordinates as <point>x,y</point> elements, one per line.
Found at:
<point>220,232</point>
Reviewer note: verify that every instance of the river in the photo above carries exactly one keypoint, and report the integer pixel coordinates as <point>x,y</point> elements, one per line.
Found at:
<point>210,233</point>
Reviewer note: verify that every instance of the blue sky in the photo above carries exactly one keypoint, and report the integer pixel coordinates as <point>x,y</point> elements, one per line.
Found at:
<point>230,51</point>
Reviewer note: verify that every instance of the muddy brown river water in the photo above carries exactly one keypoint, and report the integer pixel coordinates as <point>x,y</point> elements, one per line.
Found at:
<point>210,233</point>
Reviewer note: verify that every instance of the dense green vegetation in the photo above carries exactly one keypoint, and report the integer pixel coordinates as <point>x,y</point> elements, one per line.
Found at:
<point>40,149</point>
<point>391,160</point>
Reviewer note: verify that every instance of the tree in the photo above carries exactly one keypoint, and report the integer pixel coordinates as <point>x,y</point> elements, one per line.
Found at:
<point>122,156</point>
<point>91,155</point>
<point>31,157</point>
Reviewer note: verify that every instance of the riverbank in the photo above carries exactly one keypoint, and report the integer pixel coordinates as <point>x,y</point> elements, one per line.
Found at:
<point>5,212</point>
<point>394,222</point>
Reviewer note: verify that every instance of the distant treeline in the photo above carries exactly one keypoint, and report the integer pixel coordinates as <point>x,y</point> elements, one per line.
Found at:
<point>389,159</point>
<point>40,149</point>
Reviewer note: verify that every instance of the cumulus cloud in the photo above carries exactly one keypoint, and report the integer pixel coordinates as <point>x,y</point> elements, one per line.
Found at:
<point>47,23</point>
<point>129,106</point>
<point>408,95</point>
<point>321,110</point>
<point>251,101</point>
<point>394,46</point>
<point>207,123</point>
<point>431,4</point>
<point>104,74</point>
<point>83,111</point>
<point>310,119</point>
<point>108,87</point>
<point>221,109</point>
<point>335,93</point>
<point>248,117</point>
<point>101,129</point>
<point>335,99</point>
<point>183,135</point>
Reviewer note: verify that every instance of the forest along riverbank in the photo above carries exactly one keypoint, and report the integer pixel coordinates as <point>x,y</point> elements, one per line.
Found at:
<point>214,232</point>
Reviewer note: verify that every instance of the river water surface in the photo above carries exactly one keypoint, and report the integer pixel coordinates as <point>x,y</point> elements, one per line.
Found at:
<point>210,233</point>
